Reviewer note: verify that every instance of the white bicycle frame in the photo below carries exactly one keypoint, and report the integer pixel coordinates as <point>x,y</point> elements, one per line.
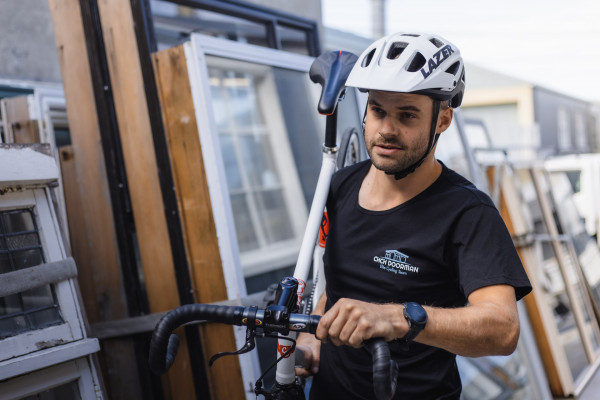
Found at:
<point>312,249</point>
<point>308,250</point>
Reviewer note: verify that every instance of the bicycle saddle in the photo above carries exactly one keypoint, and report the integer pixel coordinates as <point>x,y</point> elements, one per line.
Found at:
<point>331,70</point>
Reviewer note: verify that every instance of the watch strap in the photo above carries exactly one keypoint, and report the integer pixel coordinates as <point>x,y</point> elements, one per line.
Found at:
<point>413,331</point>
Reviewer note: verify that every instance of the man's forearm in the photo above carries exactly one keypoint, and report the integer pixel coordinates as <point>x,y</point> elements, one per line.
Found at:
<point>472,331</point>
<point>488,326</point>
<point>320,307</point>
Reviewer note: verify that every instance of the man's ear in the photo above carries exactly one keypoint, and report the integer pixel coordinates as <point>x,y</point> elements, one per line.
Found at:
<point>444,119</point>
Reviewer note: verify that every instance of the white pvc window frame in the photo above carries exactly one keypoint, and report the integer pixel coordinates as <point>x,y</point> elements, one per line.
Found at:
<point>270,256</point>
<point>197,51</point>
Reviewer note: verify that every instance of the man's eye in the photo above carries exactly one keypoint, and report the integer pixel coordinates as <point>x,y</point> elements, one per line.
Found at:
<point>408,115</point>
<point>377,110</point>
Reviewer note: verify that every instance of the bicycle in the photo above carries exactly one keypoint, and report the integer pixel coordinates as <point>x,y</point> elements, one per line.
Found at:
<point>282,317</point>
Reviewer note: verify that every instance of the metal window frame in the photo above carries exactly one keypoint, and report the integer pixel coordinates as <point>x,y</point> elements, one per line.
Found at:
<point>270,18</point>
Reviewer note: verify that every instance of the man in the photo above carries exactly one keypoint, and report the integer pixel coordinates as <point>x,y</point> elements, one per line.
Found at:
<point>415,253</point>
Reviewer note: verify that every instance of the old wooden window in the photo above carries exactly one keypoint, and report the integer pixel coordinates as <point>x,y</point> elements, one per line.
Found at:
<point>20,247</point>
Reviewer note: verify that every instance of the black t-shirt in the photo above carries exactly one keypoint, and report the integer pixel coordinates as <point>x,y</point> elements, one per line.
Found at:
<point>434,249</point>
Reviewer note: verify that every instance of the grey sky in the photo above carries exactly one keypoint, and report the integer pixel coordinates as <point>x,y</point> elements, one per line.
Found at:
<point>551,43</point>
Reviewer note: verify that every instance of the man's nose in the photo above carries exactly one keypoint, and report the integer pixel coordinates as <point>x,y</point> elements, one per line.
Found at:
<point>387,128</point>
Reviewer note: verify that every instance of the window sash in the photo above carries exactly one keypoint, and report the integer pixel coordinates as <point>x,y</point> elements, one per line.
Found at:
<point>71,329</point>
<point>226,55</point>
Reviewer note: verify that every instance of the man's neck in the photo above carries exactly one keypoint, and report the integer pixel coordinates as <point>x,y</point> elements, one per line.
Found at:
<point>380,191</point>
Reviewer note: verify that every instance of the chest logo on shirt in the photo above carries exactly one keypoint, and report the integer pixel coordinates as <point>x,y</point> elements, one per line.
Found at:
<point>395,262</point>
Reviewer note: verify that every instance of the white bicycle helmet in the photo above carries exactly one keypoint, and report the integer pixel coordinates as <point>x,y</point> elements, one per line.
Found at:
<point>416,63</point>
<point>412,63</point>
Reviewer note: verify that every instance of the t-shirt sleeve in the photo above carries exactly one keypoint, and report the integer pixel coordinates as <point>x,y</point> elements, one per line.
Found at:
<point>485,254</point>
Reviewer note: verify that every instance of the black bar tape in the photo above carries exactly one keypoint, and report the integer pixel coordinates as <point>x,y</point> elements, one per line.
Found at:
<point>385,370</point>
<point>164,345</point>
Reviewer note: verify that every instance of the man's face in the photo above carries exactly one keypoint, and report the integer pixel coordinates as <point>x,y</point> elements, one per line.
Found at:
<point>397,127</point>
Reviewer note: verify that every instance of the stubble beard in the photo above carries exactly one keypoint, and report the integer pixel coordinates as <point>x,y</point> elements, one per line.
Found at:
<point>405,159</point>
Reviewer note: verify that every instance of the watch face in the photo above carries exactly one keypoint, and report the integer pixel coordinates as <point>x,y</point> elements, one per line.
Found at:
<point>416,313</point>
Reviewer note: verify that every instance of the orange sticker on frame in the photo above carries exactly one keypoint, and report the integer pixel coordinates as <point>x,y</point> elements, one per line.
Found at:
<point>324,230</point>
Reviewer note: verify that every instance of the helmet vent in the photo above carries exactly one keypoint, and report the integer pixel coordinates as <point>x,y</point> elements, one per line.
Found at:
<point>410,34</point>
<point>367,60</point>
<point>453,69</point>
<point>396,49</point>
<point>436,42</point>
<point>417,63</point>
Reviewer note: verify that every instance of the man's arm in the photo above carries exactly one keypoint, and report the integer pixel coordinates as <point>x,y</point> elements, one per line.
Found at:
<point>489,325</point>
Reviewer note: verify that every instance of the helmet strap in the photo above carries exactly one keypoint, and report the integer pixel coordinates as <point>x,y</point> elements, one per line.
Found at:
<point>433,138</point>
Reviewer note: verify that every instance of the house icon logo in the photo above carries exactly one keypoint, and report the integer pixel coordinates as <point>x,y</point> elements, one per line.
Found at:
<point>396,262</point>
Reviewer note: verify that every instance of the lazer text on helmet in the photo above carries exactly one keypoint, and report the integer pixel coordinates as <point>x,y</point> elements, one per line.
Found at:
<point>437,59</point>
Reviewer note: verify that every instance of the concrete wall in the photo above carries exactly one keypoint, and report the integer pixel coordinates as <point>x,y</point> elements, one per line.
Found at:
<point>27,47</point>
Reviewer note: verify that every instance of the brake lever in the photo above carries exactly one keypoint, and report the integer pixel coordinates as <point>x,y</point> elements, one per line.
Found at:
<point>248,346</point>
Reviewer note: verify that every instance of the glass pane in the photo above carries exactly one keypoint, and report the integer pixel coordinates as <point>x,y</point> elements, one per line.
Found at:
<point>244,227</point>
<point>27,258</point>
<point>219,101</point>
<point>232,168</point>
<point>270,135</point>
<point>13,326</point>
<point>10,304</point>
<point>305,128</point>
<point>274,215</point>
<point>22,241</point>
<point>174,23</point>
<point>242,99</point>
<point>293,40</point>
<point>258,161</point>
<point>4,262</point>
<point>44,318</point>
<point>37,297</point>
<point>31,309</point>
<point>18,221</point>
<point>69,391</point>
<point>240,89</point>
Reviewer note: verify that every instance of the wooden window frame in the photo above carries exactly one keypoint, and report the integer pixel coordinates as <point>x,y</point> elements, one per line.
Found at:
<point>80,370</point>
<point>71,330</point>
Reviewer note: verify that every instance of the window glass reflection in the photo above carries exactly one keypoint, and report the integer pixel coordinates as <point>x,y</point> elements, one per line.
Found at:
<point>261,175</point>
<point>21,248</point>
<point>173,25</point>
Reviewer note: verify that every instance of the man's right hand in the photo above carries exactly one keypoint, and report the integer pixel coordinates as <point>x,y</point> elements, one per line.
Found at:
<point>311,349</point>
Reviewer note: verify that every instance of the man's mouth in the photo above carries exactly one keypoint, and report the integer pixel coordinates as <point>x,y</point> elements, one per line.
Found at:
<point>389,146</point>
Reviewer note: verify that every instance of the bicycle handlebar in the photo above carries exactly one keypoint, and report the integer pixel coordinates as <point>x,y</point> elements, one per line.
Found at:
<point>164,344</point>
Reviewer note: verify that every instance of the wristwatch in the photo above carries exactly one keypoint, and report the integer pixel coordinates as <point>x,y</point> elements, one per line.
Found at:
<point>416,316</point>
